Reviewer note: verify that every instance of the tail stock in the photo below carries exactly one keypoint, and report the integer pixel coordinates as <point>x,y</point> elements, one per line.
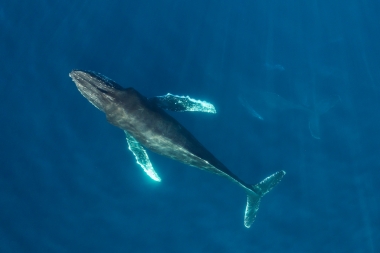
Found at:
<point>258,191</point>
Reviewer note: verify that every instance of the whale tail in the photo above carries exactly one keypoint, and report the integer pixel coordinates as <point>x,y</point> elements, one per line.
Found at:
<point>258,191</point>
<point>321,107</point>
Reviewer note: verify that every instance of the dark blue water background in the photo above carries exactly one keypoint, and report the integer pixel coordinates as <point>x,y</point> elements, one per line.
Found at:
<point>69,184</point>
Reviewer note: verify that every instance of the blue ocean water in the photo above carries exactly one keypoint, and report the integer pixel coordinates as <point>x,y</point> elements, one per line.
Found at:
<point>69,184</point>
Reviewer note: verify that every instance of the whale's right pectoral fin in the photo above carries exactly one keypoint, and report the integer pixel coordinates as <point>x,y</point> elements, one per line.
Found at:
<point>182,104</point>
<point>249,108</point>
<point>141,157</point>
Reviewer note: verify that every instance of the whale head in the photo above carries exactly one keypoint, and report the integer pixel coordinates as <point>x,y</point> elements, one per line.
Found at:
<point>100,90</point>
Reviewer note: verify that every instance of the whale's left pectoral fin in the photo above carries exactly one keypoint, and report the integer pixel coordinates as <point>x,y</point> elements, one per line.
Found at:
<point>182,104</point>
<point>141,157</point>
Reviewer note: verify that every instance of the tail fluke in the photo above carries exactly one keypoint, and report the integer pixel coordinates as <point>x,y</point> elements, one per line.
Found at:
<point>314,125</point>
<point>321,107</point>
<point>258,191</point>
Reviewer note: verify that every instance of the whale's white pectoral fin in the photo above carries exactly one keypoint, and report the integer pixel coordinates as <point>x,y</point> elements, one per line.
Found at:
<point>182,104</point>
<point>249,108</point>
<point>141,157</point>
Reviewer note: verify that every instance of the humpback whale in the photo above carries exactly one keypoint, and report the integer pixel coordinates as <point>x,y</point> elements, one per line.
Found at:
<point>148,126</point>
<point>262,102</point>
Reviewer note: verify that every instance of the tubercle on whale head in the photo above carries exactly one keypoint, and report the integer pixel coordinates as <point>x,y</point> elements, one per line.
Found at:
<point>99,90</point>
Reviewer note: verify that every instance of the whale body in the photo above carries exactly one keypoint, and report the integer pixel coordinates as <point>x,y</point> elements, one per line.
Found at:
<point>148,126</point>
